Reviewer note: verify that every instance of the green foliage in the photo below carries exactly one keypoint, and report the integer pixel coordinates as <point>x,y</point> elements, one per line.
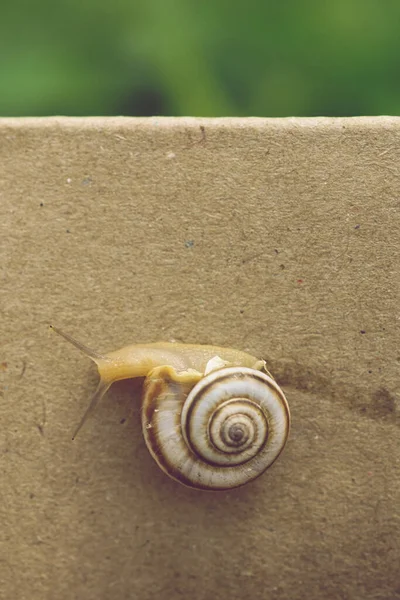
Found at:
<point>199,57</point>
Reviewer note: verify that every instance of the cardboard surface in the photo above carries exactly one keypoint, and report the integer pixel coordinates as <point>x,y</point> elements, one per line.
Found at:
<point>280,237</point>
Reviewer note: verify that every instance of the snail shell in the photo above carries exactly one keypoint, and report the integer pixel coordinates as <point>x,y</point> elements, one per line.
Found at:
<point>213,418</point>
<point>220,434</point>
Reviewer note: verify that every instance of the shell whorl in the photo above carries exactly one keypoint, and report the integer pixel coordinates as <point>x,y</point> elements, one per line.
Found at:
<point>219,433</point>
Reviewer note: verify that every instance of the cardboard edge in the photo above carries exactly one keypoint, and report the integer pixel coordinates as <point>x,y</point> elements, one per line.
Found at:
<point>291,123</point>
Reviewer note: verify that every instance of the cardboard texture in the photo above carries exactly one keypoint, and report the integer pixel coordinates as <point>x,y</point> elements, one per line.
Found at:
<point>280,237</point>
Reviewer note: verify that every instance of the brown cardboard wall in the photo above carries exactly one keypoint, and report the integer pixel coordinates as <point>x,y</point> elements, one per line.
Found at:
<point>280,237</point>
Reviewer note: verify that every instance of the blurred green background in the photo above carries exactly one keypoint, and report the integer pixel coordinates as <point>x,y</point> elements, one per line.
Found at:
<point>199,57</point>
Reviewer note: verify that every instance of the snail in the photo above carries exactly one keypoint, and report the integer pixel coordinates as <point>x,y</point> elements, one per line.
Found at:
<point>213,418</point>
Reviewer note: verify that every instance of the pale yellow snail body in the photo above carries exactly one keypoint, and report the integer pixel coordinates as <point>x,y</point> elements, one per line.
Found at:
<point>213,418</point>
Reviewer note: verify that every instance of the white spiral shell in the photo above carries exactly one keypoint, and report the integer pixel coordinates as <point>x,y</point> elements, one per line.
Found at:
<point>220,434</point>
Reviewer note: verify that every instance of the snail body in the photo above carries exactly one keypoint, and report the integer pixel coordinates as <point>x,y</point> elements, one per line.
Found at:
<point>213,418</point>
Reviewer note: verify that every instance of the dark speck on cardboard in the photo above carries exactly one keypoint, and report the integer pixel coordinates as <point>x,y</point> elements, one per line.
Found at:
<point>362,331</point>
<point>41,204</point>
<point>357,227</point>
<point>87,181</point>
<point>189,244</point>
<point>23,369</point>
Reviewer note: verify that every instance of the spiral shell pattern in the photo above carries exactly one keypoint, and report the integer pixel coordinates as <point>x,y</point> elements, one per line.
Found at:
<point>221,433</point>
